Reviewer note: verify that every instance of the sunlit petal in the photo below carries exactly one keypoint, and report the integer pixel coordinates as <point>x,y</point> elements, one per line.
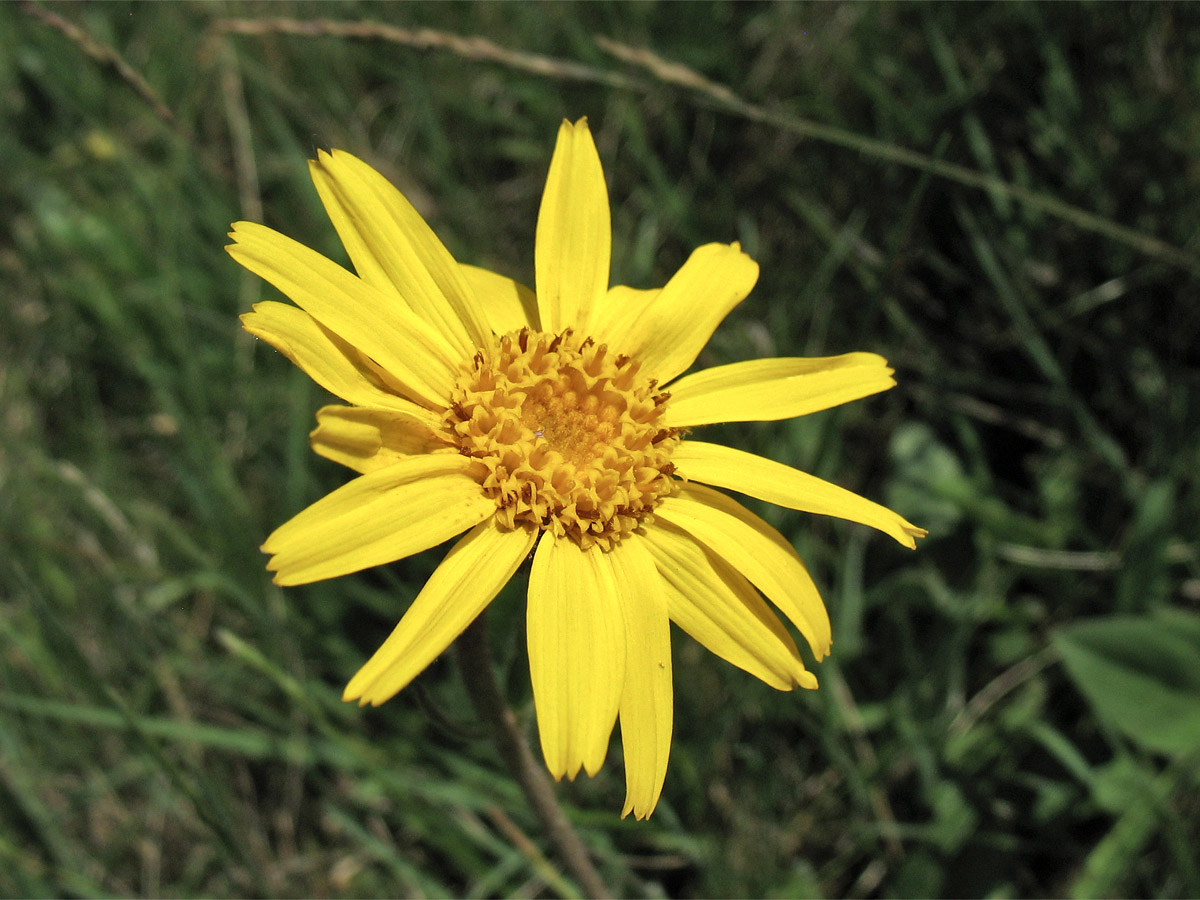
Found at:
<point>321,354</point>
<point>507,303</point>
<point>785,486</point>
<point>646,697</point>
<point>392,248</point>
<point>675,324</point>
<point>767,389</point>
<point>720,609</point>
<point>386,515</point>
<point>574,233</point>
<point>472,573</point>
<point>576,635</point>
<point>363,316</point>
<point>613,317</point>
<point>758,551</point>
<point>370,439</point>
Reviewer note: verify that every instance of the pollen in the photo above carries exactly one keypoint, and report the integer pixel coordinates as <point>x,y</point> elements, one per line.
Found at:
<point>566,436</point>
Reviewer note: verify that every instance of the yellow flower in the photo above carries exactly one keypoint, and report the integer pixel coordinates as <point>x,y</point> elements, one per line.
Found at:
<point>554,424</point>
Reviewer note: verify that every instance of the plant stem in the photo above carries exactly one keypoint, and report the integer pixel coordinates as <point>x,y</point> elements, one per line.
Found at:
<point>475,661</point>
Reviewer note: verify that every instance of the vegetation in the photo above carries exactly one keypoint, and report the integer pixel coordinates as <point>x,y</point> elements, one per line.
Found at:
<point>1000,199</point>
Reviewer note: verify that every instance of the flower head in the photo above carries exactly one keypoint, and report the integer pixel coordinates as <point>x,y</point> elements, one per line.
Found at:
<point>554,424</point>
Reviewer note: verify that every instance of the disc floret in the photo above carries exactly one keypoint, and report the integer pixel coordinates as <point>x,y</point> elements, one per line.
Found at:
<point>566,436</point>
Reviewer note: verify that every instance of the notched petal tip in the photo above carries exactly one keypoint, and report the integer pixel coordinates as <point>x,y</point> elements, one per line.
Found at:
<point>909,534</point>
<point>326,159</point>
<point>242,226</point>
<point>253,321</point>
<point>736,247</point>
<point>641,815</point>
<point>641,808</point>
<point>366,698</point>
<point>359,697</point>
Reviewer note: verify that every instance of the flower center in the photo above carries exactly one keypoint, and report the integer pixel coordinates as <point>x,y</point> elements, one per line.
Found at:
<point>565,435</point>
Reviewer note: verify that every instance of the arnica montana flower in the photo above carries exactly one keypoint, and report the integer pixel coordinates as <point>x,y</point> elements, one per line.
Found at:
<point>554,423</point>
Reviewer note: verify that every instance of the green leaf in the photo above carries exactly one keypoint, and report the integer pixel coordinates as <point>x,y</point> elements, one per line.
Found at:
<point>1141,675</point>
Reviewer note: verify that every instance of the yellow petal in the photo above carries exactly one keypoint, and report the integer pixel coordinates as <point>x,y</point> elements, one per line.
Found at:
<point>776,483</point>
<point>613,317</point>
<point>467,580</point>
<point>674,326</point>
<point>721,610</point>
<point>576,637</point>
<point>507,303</point>
<point>758,551</point>
<point>392,248</point>
<point>646,697</point>
<point>361,315</point>
<point>761,390</point>
<point>322,355</point>
<point>371,439</point>
<point>574,233</point>
<point>410,506</point>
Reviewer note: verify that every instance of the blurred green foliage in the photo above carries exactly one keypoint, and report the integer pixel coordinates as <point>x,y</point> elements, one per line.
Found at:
<point>1010,711</point>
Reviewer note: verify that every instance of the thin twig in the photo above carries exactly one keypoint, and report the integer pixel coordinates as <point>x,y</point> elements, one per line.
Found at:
<point>528,848</point>
<point>468,47</point>
<point>721,96</point>
<point>1067,560</point>
<point>241,138</point>
<point>992,415</point>
<point>1008,680</point>
<point>106,56</point>
<point>475,661</point>
<point>680,76</point>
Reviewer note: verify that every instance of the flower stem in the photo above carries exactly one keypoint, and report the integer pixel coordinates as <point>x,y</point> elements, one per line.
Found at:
<point>475,661</point>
